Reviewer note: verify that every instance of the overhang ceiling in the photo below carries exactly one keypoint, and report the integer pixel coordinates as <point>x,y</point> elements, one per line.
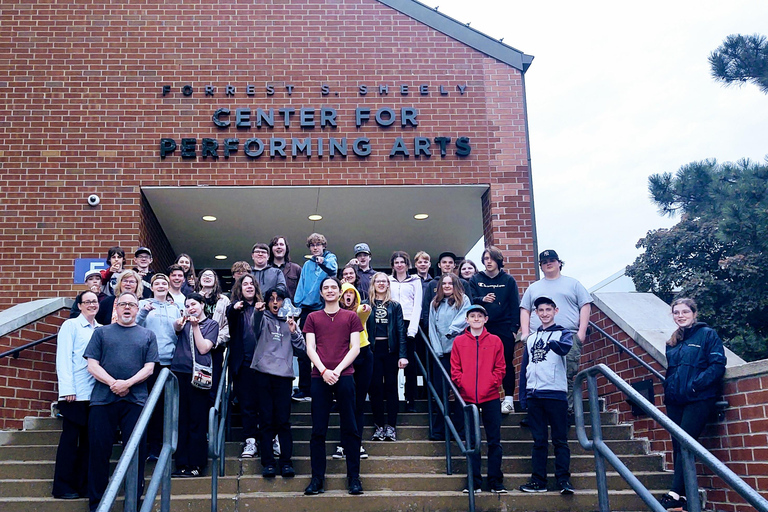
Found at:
<point>381,216</point>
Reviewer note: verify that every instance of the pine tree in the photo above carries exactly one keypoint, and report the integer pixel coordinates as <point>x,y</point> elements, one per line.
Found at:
<point>741,59</point>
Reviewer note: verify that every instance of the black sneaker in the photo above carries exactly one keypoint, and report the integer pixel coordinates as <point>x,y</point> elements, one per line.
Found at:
<point>566,488</point>
<point>355,487</point>
<point>193,472</point>
<point>670,503</point>
<point>287,471</point>
<point>533,486</point>
<point>269,471</point>
<point>315,487</point>
<point>179,473</point>
<point>498,489</point>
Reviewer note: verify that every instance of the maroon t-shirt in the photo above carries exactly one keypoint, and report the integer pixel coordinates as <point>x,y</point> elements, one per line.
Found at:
<point>332,337</point>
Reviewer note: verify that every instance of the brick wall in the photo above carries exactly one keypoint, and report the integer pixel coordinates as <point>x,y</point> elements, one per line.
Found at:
<point>28,384</point>
<point>83,83</point>
<point>740,440</point>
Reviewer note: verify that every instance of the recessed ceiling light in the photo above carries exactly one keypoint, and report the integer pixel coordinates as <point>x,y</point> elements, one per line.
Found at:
<point>221,256</point>
<point>421,216</point>
<point>315,216</point>
<point>209,218</point>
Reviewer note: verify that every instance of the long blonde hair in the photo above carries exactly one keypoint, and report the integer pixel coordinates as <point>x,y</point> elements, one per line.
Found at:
<point>677,336</point>
<point>372,288</point>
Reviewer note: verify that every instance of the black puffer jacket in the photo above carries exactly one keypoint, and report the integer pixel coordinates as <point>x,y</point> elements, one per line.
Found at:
<point>695,366</point>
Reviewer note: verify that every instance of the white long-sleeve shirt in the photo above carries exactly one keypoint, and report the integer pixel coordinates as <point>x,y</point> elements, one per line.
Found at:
<point>71,366</point>
<point>408,293</point>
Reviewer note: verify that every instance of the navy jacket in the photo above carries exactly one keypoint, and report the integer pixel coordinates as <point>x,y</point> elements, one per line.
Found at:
<point>695,366</point>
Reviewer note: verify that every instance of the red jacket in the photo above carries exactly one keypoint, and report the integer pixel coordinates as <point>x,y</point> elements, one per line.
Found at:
<point>477,366</point>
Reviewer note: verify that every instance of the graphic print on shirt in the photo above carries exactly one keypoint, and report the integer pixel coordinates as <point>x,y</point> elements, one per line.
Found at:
<point>539,351</point>
<point>381,315</point>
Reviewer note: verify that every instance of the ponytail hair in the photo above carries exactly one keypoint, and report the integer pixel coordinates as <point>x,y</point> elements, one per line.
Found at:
<point>677,336</point>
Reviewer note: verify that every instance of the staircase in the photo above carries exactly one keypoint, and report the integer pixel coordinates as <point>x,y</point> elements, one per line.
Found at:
<point>407,475</point>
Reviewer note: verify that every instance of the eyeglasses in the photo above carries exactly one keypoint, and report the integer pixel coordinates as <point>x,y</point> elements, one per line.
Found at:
<point>380,282</point>
<point>261,251</point>
<point>89,302</point>
<point>128,305</point>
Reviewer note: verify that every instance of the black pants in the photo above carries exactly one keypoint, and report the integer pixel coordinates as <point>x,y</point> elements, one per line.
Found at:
<point>508,340</point>
<point>491,414</point>
<point>454,407</point>
<point>275,417</point>
<point>192,449</point>
<point>384,385</point>
<point>692,418</point>
<point>155,427</point>
<point>246,387</point>
<point>322,399</point>
<point>103,421</point>
<point>363,373</point>
<point>543,412</point>
<point>70,475</point>
<point>305,365</point>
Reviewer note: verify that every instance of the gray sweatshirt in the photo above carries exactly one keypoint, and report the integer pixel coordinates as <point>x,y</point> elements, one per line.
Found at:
<point>275,344</point>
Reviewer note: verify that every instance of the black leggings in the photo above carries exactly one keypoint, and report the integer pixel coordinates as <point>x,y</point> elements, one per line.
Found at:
<point>692,418</point>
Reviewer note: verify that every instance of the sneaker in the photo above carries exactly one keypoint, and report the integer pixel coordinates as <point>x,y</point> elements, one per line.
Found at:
<point>315,487</point>
<point>355,487</point>
<point>670,503</point>
<point>287,471</point>
<point>339,453</point>
<point>389,433</point>
<point>507,407</point>
<point>276,447</point>
<point>378,434</point>
<point>179,472</point>
<point>299,396</point>
<point>566,488</point>
<point>477,490</point>
<point>249,450</point>
<point>269,471</point>
<point>193,472</point>
<point>533,486</point>
<point>363,453</point>
<point>498,489</point>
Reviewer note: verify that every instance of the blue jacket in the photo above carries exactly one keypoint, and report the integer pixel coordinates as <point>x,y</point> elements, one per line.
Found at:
<point>695,366</point>
<point>312,274</point>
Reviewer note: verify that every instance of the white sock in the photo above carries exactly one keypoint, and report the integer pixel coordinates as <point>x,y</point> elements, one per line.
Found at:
<point>508,399</point>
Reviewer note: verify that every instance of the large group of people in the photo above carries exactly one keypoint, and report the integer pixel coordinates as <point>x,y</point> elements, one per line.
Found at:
<point>351,330</point>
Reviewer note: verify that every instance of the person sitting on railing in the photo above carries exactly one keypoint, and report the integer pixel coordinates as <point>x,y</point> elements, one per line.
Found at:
<point>198,331</point>
<point>121,356</point>
<point>447,319</point>
<point>75,387</point>
<point>543,392</point>
<point>477,369</point>
<point>116,262</point>
<point>695,368</point>
<point>278,337</point>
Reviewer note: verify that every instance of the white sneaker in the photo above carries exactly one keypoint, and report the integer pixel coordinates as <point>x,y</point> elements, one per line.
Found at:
<point>249,450</point>
<point>339,454</point>
<point>507,407</point>
<point>363,453</point>
<point>276,447</point>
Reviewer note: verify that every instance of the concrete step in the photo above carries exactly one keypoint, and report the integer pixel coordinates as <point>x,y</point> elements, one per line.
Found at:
<point>42,487</point>
<point>510,431</point>
<point>179,503</point>
<point>376,501</point>
<point>305,419</point>
<point>374,464</point>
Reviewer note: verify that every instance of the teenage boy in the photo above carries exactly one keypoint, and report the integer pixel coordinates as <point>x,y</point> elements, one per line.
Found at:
<point>92,284</point>
<point>280,258</point>
<point>268,278</point>
<point>116,262</point>
<point>142,258</point>
<point>423,262</point>
<point>497,291</point>
<point>176,280</point>
<point>333,342</point>
<point>364,271</point>
<point>543,391</point>
<point>321,264</point>
<point>276,340</point>
<point>477,369</point>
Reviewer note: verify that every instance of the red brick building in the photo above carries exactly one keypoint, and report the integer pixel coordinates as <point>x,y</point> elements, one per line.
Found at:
<point>366,112</point>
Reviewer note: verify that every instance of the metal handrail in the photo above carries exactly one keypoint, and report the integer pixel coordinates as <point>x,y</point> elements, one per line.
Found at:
<point>689,447</point>
<point>128,466</point>
<point>217,425</point>
<point>631,354</point>
<point>15,351</point>
<point>471,417</point>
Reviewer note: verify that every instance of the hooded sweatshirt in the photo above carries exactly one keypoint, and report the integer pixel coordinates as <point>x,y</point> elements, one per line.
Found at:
<point>445,323</point>
<point>275,344</point>
<point>161,321</point>
<point>361,313</point>
<point>542,374</point>
<point>478,366</point>
<point>312,274</point>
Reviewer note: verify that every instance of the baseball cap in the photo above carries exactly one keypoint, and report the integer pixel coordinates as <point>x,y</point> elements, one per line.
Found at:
<point>90,273</point>
<point>549,253</point>
<point>141,250</point>
<point>362,248</point>
<point>476,307</point>
<point>544,300</point>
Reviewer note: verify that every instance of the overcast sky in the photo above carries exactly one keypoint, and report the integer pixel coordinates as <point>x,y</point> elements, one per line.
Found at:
<point>618,91</point>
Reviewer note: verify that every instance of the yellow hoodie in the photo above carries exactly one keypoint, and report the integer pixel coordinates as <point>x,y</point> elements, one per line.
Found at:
<point>362,311</point>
